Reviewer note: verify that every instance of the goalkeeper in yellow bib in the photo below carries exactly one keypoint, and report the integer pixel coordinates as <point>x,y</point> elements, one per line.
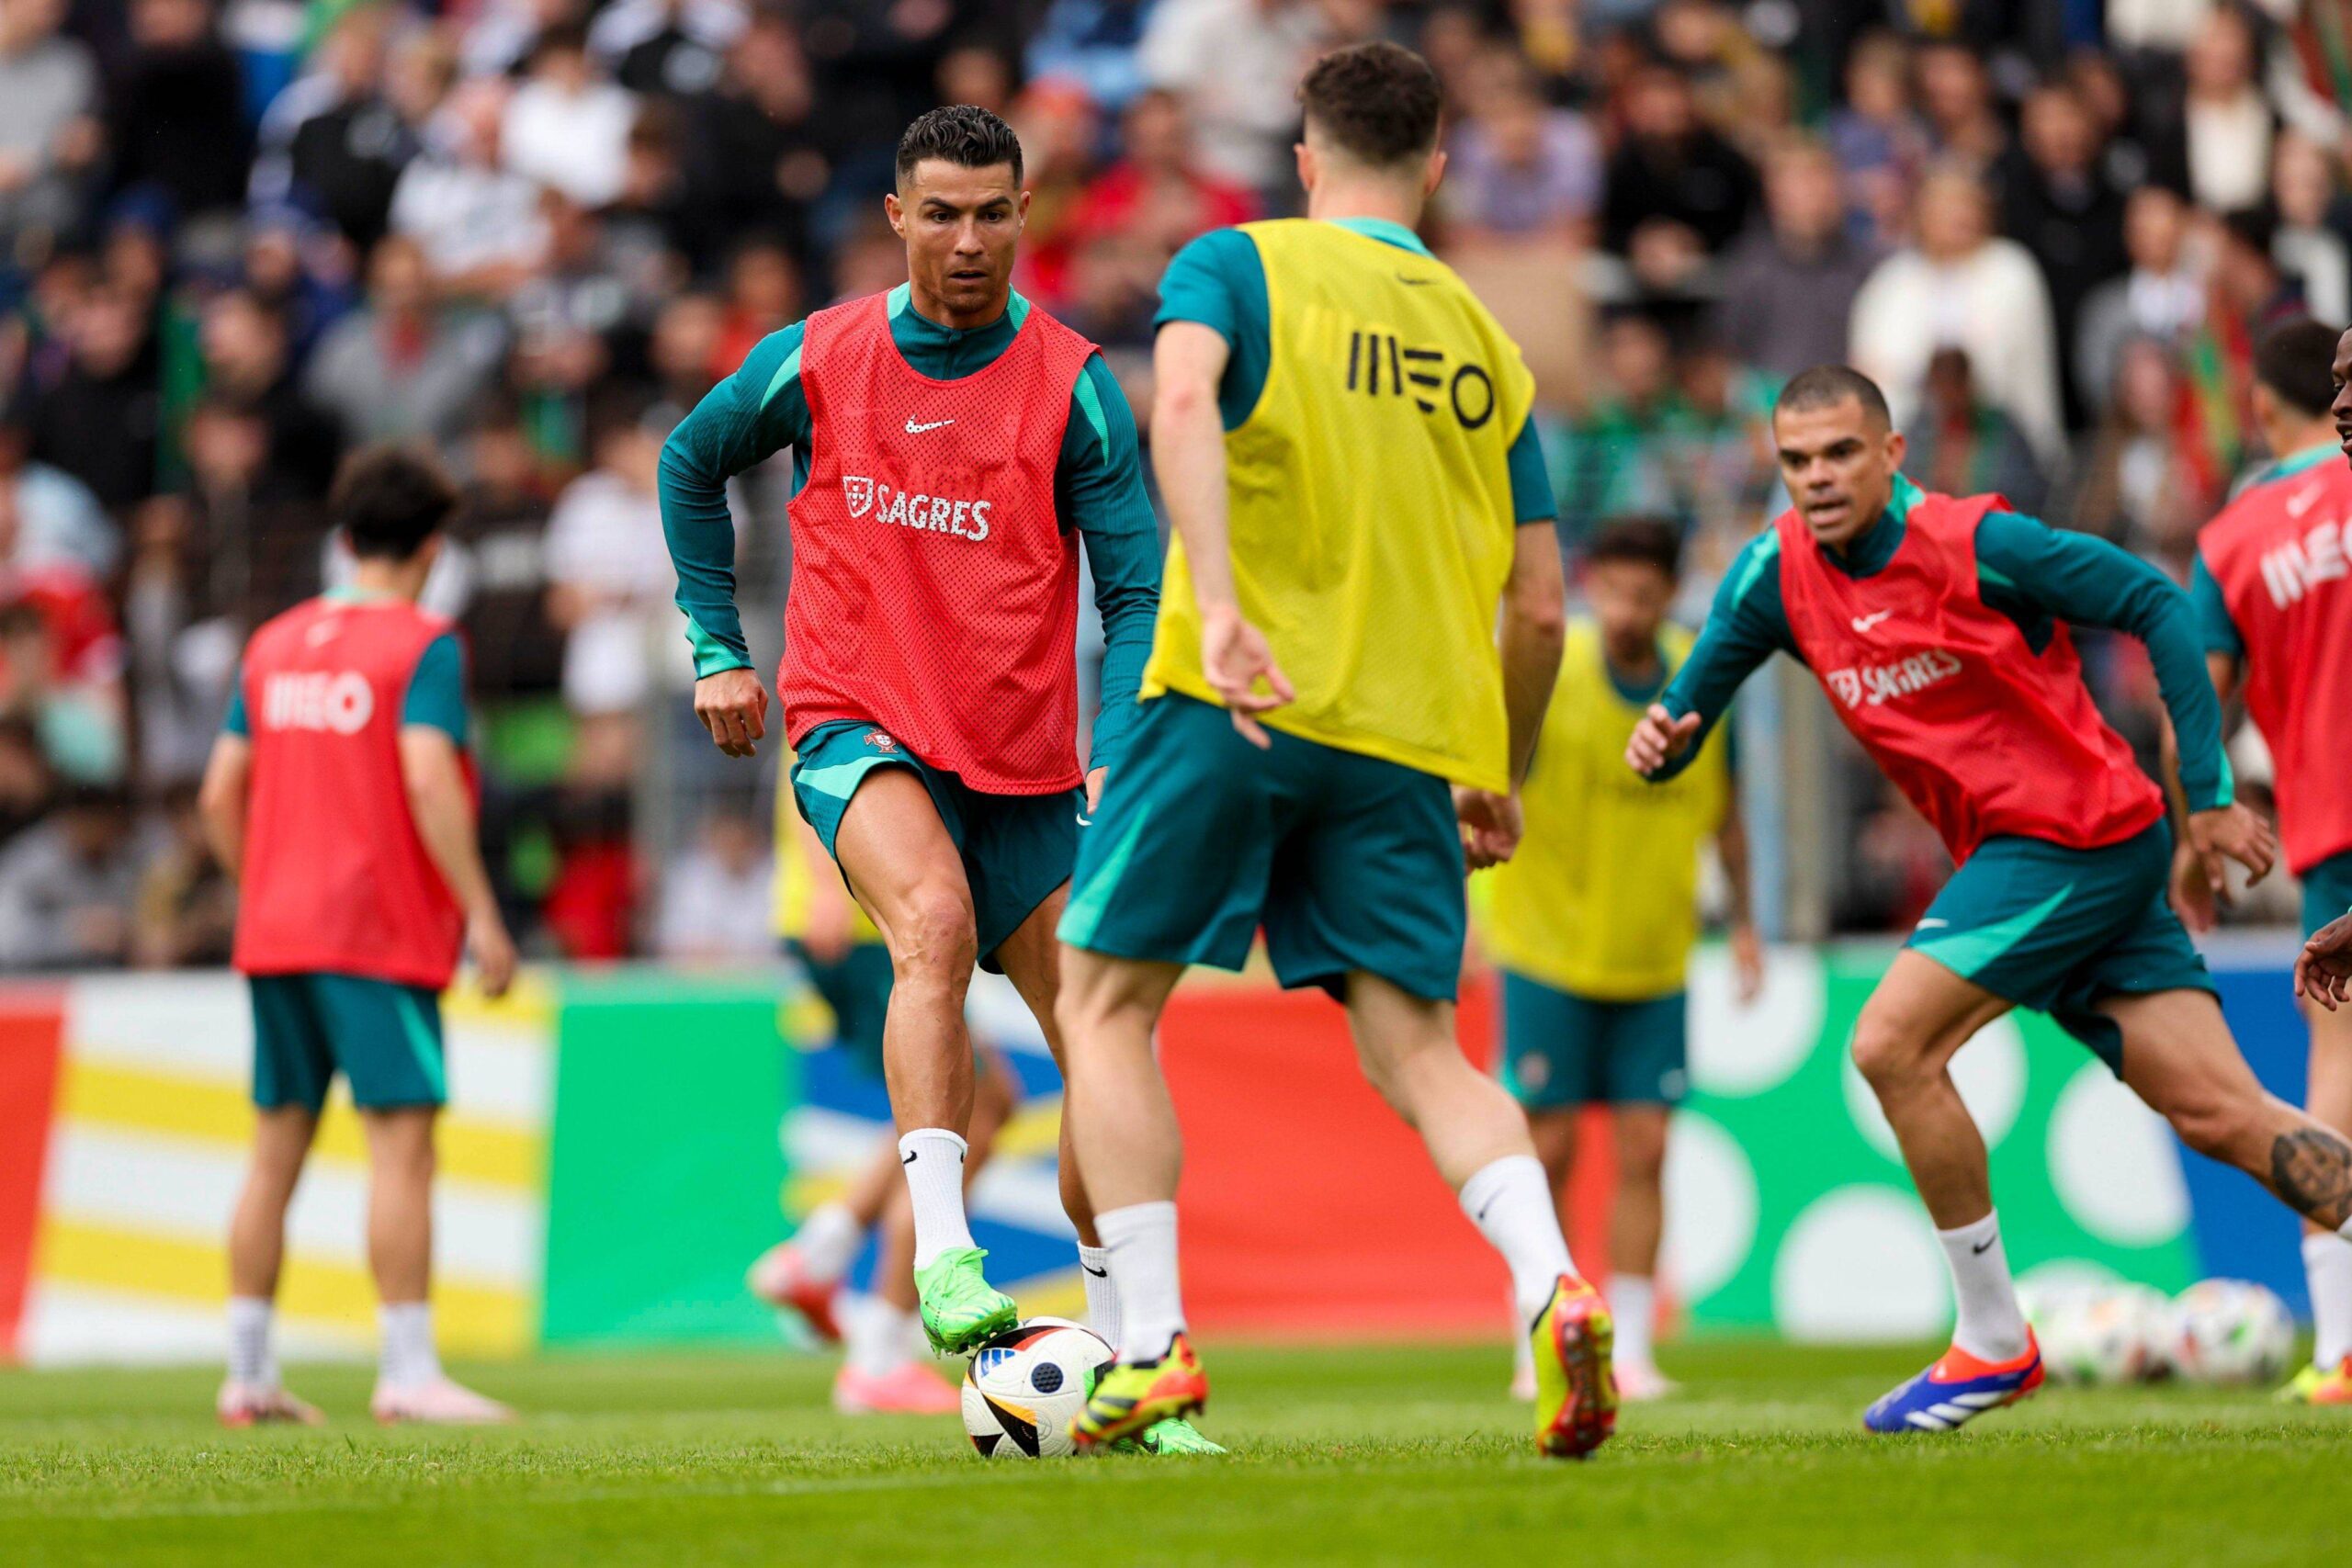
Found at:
<point>1340,432</point>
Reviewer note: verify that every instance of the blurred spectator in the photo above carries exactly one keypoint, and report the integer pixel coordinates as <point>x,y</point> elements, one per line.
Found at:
<point>1962,446</point>
<point>1956,100</point>
<point>2162,297</point>
<point>753,147</point>
<point>100,420</point>
<point>248,361</point>
<point>2057,202</point>
<point>295,269</point>
<point>49,135</point>
<point>1674,186</point>
<point>1520,170</point>
<point>562,315</point>
<point>717,899</point>
<point>512,649</point>
<point>1092,43</point>
<point>2139,485</point>
<point>2303,189</point>
<point>1154,199</point>
<point>1961,285</point>
<point>1619,457</point>
<point>27,787</point>
<point>1789,284</point>
<point>335,140</point>
<point>763,295</point>
<point>610,583</point>
<point>2228,121</point>
<point>672,47</point>
<point>177,118</point>
<point>185,908</point>
<point>58,519</point>
<point>67,886</point>
<point>1877,136</point>
<point>564,127</point>
<point>403,366</point>
<point>1237,63</point>
<point>477,221</point>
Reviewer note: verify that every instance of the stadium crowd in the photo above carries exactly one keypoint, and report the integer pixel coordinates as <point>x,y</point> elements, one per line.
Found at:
<point>236,241</point>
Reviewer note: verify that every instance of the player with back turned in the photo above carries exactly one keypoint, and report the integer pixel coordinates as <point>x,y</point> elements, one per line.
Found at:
<point>1342,440</point>
<point>1939,626</point>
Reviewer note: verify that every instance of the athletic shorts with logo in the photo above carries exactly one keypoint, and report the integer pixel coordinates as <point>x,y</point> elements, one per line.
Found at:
<point>2058,930</point>
<point>1560,1049</point>
<point>1349,862</point>
<point>1016,848</point>
<point>385,1039</point>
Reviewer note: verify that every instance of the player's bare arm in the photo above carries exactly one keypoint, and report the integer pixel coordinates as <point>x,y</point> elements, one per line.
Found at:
<point>2196,895</point>
<point>228,777</point>
<point>1534,623</point>
<point>1746,947</point>
<point>1188,454</point>
<point>444,809</point>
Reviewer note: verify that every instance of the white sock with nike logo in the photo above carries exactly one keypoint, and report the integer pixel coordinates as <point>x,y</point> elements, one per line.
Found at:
<point>1511,1202</point>
<point>935,1160</point>
<point>1102,1292</point>
<point>1991,1326</point>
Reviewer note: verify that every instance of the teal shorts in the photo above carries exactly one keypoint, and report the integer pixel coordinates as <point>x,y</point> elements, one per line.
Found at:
<point>1348,862</point>
<point>1561,1049</point>
<point>2327,891</point>
<point>384,1038</point>
<point>1016,848</point>
<point>857,987</point>
<point>2059,930</point>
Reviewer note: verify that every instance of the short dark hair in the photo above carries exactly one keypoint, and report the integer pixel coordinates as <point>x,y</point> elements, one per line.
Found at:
<point>2296,359</point>
<point>389,500</point>
<point>1644,541</point>
<point>1826,385</point>
<point>963,134</point>
<point>1379,101</point>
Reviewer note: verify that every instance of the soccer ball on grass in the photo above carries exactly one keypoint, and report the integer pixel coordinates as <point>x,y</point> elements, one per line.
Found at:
<point>1025,1386</point>
<point>2229,1331</point>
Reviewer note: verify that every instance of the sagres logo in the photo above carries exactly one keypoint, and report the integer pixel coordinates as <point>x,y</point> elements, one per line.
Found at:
<point>920,511</point>
<point>1876,684</point>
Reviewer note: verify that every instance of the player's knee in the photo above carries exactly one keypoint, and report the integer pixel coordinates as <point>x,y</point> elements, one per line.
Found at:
<point>2215,1123</point>
<point>1641,1149</point>
<point>1889,1058</point>
<point>933,939</point>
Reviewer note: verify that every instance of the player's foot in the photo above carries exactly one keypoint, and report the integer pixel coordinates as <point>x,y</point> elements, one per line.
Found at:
<point>1956,1391</point>
<point>437,1404</point>
<point>1172,1439</point>
<point>252,1405</point>
<point>1133,1397</point>
<point>1576,1389</point>
<point>959,1308</point>
<point>908,1389</point>
<point>1639,1382</point>
<point>781,1277</point>
<point>2320,1386</point>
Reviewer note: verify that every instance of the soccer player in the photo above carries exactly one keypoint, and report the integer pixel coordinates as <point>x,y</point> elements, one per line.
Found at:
<point>951,444</point>
<point>1940,629</point>
<point>340,796</point>
<point>1341,435</point>
<point>1592,920</point>
<point>850,967</point>
<point>2267,586</point>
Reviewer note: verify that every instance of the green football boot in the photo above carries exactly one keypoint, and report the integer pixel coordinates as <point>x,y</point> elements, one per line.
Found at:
<point>1172,1439</point>
<point>959,1308</point>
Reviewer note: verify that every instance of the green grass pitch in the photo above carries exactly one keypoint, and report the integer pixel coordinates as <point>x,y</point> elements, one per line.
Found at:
<point>1340,1456</point>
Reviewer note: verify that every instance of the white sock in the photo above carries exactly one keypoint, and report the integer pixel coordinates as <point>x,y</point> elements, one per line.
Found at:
<point>935,1160</point>
<point>2327,1263</point>
<point>253,1357</point>
<point>408,1358</point>
<point>875,1333</point>
<point>1632,1304</point>
<point>1140,1240</point>
<point>828,1241</point>
<point>1991,1325</point>
<point>1102,1292</point>
<point>1511,1202</point>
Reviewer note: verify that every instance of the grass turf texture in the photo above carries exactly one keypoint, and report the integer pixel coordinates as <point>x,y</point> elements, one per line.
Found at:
<point>1338,1456</point>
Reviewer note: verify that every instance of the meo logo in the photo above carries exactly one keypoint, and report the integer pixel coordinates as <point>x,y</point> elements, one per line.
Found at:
<point>318,700</point>
<point>2295,568</point>
<point>1876,684</point>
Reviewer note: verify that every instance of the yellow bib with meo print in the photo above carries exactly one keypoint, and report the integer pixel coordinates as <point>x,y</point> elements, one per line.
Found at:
<point>1602,897</point>
<point>1369,506</point>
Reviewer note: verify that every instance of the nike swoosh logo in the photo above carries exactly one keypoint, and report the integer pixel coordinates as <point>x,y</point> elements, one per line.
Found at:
<point>914,429</point>
<point>1414,282</point>
<point>1098,1273</point>
<point>1864,622</point>
<point>1931,922</point>
<point>908,1158</point>
<point>1984,1246</point>
<point>2299,504</point>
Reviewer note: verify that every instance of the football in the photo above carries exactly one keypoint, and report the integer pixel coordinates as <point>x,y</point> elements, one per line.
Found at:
<point>2110,1337</point>
<point>2229,1331</point>
<point>1025,1386</point>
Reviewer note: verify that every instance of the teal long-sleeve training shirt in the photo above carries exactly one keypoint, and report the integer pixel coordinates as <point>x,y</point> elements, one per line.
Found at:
<point>760,410</point>
<point>2034,574</point>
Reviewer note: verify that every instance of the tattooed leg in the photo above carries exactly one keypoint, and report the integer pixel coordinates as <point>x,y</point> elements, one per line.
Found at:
<point>2311,1169</point>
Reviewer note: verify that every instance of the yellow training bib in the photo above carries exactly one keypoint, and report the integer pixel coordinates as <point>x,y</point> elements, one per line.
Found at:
<point>1602,898</point>
<point>1370,502</point>
<point>798,861</point>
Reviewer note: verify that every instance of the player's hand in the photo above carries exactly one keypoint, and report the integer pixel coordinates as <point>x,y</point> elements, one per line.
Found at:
<point>1490,826</point>
<point>1746,963</point>
<point>2235,832</point>
<point>1094,789</point>
<point>733,705</point>
<point>493,952</point>
<point>1659,739</point>
<point>2194,895</point>
<point>1234,657</point>
<point>2323,968</point>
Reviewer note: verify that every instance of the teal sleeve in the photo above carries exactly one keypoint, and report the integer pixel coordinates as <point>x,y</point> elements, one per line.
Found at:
<point>753,414</point>
<point>1101,478</point>
<point>1746,625</point>
<point>1219,281</point>
<point>1531,481</point>
<point>2214,627</point>
<point>234,721</point>
<point>437,689</point>
<point>2023,564</point>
